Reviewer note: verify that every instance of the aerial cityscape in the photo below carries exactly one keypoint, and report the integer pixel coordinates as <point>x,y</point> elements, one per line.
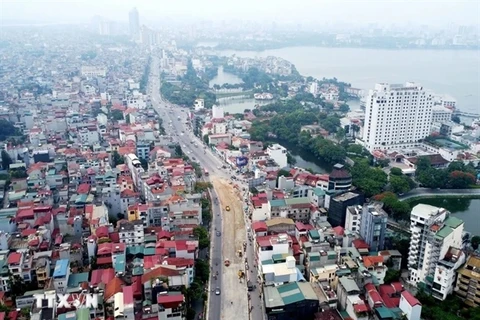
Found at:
<point>181,166</point>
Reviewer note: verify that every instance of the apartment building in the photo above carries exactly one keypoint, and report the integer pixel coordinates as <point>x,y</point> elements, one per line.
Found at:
<point>131,233</point>
<point>434,231</point>
<point>468,282</point>
<point>397,115</point>
<point>446,273</point>
<point>373,226</point>
<point>352,218</point>
<point>278,154</point>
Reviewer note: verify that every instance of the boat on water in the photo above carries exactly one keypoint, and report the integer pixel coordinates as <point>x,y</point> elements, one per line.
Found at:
<point>263,96</point>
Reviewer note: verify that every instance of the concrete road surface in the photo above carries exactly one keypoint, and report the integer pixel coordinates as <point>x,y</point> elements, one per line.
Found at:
<point>170,114</point>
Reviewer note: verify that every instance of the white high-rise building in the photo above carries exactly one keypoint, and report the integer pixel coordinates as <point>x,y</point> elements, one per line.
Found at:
<point>279,154</point>
<point>434,233</point>
<point>217,112</point>
<point>397,115</point>
<point>134,22</point>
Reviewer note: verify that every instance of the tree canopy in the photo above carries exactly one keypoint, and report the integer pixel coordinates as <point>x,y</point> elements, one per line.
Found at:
<point>456,176</point>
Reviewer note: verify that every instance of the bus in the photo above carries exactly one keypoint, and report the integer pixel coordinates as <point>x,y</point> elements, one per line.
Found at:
<point>205,172</point>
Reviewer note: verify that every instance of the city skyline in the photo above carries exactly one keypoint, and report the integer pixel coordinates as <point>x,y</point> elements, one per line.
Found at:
<point>434,13</point>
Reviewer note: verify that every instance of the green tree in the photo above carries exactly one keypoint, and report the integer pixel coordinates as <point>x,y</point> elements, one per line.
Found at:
<point>117,159</point>
<point>202,270</point>
<point>475,241</point>
<point>370,181</point>
<point>7,129</point>
<point>6,160</point>
<point>18,173</point>
<point>399,184</point>
<point>202,234</point>
<point>344,108</point>
<point>392,276</point>
<point>178,151</point>
<point>116,115</point>
<point>355,148</point>
<point>284,173</point>
<point>396,171</point>
<point>340,135</point>
<point>17,285</point>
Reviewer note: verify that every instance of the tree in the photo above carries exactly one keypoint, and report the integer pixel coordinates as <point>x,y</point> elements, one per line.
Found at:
<point>396,171</point>
<point>178,150</point>
<point>460,180</point>
<point>202,234</point>
<point>456,119</point>
<point>202,270</point>
<point>284,173</point>
<point>475,241</point>
<point>7,129</point>
<point>18,173</point>
<point>6,160</point>
<point>399,184</point>
<point>392,276</point>
<point>344,108</point>
<point>355,148</point>
<point>370,181</point>
<point>355,129</point>
<point>340,135</point>
<point>17,285</point>
<point>116,115</point>
<point>117,159</point>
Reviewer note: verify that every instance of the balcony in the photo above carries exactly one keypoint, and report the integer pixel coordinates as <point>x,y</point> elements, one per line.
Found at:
<point>462,286</point>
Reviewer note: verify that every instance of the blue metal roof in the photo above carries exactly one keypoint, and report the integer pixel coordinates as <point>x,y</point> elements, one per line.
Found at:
<point>61,268</point>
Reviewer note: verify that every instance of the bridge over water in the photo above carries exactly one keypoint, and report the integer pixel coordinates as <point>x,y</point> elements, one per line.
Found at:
<point>466,114</point>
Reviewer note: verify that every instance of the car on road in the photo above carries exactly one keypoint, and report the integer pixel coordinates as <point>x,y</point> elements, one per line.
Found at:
<point>227,208</point>
<point>219,233</point>
<point>217,291</point>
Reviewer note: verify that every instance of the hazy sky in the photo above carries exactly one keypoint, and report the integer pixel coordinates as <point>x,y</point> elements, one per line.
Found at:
<point>439,12</point>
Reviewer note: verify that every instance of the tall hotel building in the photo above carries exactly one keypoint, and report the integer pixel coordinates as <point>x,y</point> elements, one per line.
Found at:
<point>397,116</point>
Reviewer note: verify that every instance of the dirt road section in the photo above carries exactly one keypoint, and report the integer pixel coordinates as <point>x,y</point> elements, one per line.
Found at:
<point>234,297</point>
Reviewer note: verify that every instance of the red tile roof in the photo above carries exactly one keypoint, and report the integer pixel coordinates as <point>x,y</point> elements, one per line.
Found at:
<point>113,287</point>
<point>159,272</point>
<point>371,261</point>
<point>102,276</point>
<point>84,188</point>
<point>170,301</point>
<point>259,226</point>
<point>14,258</point>
<point>128,295</point>
<point>102,232</point>
<point>410,298</point>
<point>339,230</point>
<point>360,308</point>
<point>104,248</point>
<point>360,244</point>
<point>104,260</point>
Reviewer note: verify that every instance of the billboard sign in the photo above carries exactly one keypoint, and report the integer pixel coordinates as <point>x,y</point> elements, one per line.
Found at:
<point>242,161</point>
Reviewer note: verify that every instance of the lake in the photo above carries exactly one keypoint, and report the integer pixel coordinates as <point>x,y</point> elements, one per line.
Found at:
<point>234,104</point>
<point>453,72</point>
<point>224,77</point>
<point>466,209</point>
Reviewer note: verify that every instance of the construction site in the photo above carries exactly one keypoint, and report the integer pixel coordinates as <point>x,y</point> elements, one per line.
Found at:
<point>234,302</point>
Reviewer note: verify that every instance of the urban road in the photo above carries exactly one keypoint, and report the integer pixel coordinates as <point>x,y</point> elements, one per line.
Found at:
<point>183,135</point>
<point>426,192</point>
